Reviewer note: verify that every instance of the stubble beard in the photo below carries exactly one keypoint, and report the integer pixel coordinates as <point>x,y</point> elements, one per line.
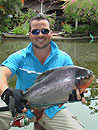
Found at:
<point>35,45</point>
<point>38,40</point>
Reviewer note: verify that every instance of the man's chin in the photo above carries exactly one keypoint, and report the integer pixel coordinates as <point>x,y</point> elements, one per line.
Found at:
<point>39,46</point>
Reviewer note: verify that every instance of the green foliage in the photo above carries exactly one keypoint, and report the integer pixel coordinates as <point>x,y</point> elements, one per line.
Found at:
<point>23,22</point>
<point>66,27</point>
<point>83,10</point>
<point>86,29</point>
<point>8,7</point>
<point>24,18</point>
<point>52,19</point>
<point>93,29</point>
<point>82,29</point>
<point>5,23</point>
<point>0,32</point>
<point>11,6</point>
<point>21,29</point>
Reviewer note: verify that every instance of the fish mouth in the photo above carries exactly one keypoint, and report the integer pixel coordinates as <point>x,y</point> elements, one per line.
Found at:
<point>86,85</point>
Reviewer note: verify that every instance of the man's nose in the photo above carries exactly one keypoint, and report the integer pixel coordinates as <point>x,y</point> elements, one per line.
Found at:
<point>40,33</point>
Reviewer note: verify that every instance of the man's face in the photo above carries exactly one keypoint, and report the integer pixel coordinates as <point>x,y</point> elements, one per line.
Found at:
<point>40,40</point>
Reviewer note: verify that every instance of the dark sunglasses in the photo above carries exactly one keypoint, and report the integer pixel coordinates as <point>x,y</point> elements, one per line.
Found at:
<point>37,31</point>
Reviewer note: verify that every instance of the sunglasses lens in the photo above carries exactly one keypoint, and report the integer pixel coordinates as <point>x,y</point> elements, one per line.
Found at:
<point>45,31</point>
<point>35,31</point>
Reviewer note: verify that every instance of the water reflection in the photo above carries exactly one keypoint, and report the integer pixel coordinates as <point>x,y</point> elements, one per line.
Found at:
<point>82,53</point>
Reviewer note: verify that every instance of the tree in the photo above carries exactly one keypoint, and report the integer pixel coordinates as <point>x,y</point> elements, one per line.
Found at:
<point>83,10</point>
<point>8,8</point>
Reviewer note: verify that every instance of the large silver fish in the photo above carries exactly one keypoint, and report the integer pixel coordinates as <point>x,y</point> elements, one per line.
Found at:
<point>54,86</point>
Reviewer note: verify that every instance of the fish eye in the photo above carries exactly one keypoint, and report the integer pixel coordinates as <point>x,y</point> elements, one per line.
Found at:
<point>90,72</point>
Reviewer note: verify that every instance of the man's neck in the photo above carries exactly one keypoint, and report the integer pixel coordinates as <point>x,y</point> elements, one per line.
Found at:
<point>42,54</point>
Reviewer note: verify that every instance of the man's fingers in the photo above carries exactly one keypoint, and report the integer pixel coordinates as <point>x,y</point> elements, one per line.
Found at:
<point>25,110</point>
<point>83,100</point>
<point>78,94</point>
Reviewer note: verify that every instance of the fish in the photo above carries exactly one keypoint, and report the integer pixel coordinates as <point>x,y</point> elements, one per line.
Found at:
<point>55,85</point>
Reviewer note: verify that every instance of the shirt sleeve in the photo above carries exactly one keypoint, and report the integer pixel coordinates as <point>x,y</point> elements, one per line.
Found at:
<point>65,58</point>
<point>68,61</point>
<point>12,62</point>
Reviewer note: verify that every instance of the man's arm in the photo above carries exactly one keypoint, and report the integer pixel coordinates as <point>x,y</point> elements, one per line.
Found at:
<point>5,73</point>
<point>7,93</point>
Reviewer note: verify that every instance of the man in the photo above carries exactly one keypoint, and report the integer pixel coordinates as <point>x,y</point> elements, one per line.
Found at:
<point>41,54</point>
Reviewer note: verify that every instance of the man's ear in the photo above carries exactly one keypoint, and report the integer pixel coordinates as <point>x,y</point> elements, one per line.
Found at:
<point>30,34</point>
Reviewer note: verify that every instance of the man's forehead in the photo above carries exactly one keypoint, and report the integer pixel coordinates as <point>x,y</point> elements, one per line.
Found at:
<point>41,22</point>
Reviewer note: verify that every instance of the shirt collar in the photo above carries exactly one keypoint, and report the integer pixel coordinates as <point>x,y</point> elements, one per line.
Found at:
<point>29,48</point>
<point>54,49</point>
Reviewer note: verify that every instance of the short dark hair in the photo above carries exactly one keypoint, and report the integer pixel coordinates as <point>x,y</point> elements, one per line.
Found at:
<point>38,18</point>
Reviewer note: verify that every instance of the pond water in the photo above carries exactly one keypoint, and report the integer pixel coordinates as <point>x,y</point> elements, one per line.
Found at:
<point>83,54</point>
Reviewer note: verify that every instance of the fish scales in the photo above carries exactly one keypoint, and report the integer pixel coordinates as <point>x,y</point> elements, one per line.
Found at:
<point>55,85</point>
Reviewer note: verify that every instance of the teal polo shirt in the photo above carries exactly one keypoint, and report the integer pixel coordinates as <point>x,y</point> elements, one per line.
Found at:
<point>27,67</point>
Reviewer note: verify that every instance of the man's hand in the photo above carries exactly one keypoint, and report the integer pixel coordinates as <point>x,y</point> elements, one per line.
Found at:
<point>14,99</point>
<point>77,96</point>
<point>83,100</point>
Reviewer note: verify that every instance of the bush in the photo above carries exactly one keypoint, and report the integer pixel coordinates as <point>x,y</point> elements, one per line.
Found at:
<point>21,29</point>
<point>82,29</point>
<point>8,8</point>
<point>66,27</point>
<point>93,29</point>
<point>86,29</point>
<point>23,22</point>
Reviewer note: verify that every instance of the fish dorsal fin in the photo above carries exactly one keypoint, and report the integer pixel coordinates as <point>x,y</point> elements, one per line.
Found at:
<point>43,75</point>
